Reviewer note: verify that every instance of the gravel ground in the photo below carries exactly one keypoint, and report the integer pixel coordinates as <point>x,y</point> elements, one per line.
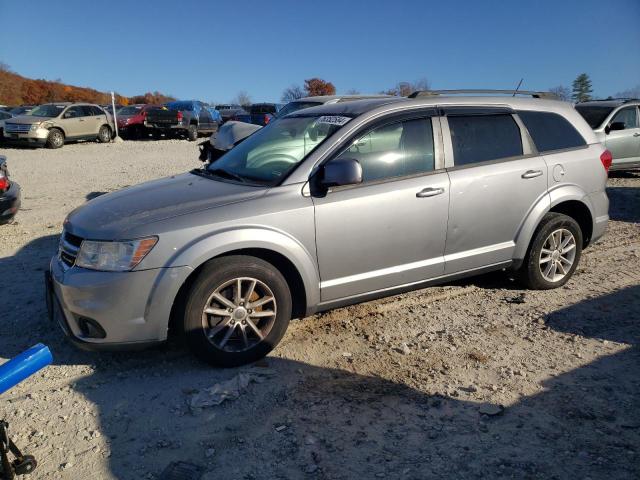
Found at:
<point>476,379</point>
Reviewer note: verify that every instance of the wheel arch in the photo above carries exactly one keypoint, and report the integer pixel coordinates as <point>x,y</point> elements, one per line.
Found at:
<point>569,200</point>
<point>286,255</point>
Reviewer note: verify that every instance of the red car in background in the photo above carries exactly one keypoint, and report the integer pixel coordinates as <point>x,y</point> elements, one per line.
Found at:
<point>131,120</point>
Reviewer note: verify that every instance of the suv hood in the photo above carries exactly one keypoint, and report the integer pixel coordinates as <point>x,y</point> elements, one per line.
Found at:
<point>28,119</point>
<point>112,216</point>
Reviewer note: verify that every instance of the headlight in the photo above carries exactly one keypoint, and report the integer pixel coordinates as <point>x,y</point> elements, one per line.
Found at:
<point>34,126</point>
<point>114,256</point>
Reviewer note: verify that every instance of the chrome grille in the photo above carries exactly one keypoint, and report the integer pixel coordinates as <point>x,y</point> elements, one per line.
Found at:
<point>68,248</point>
<point>17,127</point>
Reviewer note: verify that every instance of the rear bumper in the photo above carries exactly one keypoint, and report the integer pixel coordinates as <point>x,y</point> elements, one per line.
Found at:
<point>130,309</point>
<point>10,202</point>
<point>600,204</point>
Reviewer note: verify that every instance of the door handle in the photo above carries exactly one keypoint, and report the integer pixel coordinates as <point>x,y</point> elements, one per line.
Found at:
<point>429,192</point>
<point>532,173</point>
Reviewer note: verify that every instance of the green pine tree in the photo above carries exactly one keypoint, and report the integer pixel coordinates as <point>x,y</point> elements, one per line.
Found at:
<point>582,88</point>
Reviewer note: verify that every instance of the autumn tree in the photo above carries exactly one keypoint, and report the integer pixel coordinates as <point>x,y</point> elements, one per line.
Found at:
<point>582,88</point>
<point>316,86</point>
<point>293,92</point>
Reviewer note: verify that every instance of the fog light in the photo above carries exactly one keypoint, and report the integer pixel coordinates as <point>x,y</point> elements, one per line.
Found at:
<point>90,328</point>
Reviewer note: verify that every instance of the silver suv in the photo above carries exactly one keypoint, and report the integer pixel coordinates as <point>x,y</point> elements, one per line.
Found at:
<point>53,124</point>
<point>617,126</point>
<point>330,206</point>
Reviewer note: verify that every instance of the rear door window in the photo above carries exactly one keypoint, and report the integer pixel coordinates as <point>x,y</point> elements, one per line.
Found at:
<point>550,131</point>
<point>480,138</point>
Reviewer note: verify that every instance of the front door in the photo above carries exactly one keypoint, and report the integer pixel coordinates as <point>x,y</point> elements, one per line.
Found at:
<point>75,122</point>
<point>624,145</point>
<point>390,230</point>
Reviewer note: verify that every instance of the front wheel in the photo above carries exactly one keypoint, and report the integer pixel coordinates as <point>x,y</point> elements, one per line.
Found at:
<point>237,311</point>
<point>55,139</point>
<point>104,134</point>
<point>554,252</point>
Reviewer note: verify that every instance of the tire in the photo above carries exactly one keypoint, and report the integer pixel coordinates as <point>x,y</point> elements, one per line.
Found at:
<point>192,133</point>
<point>104,134</point>
<point>55,139</point>
<point>546,265</point>
<point>216,336</point>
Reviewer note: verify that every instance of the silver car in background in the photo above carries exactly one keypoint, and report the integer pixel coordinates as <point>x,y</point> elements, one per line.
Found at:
<point>331,206</point>
<point>617,125</point>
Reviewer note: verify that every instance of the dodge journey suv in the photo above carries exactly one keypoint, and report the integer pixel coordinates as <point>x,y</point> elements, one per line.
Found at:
<point>330,206</point>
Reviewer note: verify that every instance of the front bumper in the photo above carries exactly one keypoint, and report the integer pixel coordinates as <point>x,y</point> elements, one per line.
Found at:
<point>35,137</point>
<point>131,308</point>
<point>10,203</point>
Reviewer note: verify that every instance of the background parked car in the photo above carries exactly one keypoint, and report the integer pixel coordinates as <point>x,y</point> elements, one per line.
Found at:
<point>229,110</point>
<point>53,124</point>
<point>259,113</point>
<point>3,117</point>
<point>9,194</point>
<point>189,118</point>
<point>131,120</point>
<point>617,125</point>
<point>21,110</point>
<point>308,102</point>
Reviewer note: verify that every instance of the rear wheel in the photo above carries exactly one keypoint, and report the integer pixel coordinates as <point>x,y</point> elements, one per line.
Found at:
<point>237,311</point>
<point>192,133</point>
<point>104,134</point>
<point>554,252</point>
<point>55,139</point>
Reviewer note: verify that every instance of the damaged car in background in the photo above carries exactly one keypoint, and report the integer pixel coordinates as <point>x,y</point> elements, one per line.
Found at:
<point>9,194</point>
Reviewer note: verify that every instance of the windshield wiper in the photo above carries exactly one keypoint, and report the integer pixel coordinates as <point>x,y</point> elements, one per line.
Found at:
<point>221,172</point>
<point>218,172</point>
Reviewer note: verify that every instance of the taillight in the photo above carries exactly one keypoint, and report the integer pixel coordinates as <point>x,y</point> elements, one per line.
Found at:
<point>4,182</point>
<point>266,119</point>
<point>179,116</point>
<point>606,158</point>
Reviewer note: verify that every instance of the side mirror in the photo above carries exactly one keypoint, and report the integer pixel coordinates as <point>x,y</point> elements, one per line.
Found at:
<point>342,171</point>
<point>614,126</point>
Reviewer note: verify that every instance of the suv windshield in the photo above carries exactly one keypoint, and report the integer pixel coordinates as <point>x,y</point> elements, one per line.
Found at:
<point>47,111</point>
<point>594,115</point>
<point>267,156</point>
<point>129,111</point>
<point>295,106</point>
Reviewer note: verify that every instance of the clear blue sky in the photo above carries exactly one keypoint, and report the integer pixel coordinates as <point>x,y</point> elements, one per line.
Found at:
<point>212,50</point>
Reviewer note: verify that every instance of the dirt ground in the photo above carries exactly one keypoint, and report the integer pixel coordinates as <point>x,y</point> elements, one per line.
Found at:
<point>475,379</point>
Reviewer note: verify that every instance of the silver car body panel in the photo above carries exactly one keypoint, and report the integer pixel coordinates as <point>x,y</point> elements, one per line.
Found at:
<point>355,242</point>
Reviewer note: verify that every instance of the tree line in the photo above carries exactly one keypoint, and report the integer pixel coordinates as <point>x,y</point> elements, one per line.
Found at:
<point>18,90</point>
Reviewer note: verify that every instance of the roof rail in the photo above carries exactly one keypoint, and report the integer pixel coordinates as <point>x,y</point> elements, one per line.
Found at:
<point>433,93</point>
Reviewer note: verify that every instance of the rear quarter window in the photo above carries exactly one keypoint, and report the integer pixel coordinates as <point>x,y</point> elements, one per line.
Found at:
<point>550,131</point>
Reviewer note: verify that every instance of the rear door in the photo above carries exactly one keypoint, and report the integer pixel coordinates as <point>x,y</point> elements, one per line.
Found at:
<point>390,230</point>
<point>496,178</point>
<point>204,117</point>
<point>624,145</point>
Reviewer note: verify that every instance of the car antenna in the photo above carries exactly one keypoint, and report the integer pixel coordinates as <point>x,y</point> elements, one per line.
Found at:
<point>518,87</point>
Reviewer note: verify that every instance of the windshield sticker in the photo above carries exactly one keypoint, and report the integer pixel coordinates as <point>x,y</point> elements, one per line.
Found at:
<point>333,120</point>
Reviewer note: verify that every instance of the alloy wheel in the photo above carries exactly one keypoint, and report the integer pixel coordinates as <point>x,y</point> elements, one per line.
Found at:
<point>557,255</point>
<point>239,314</point>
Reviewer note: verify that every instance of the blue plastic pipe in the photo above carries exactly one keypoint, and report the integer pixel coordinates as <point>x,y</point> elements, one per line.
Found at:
<point>24,365</point>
